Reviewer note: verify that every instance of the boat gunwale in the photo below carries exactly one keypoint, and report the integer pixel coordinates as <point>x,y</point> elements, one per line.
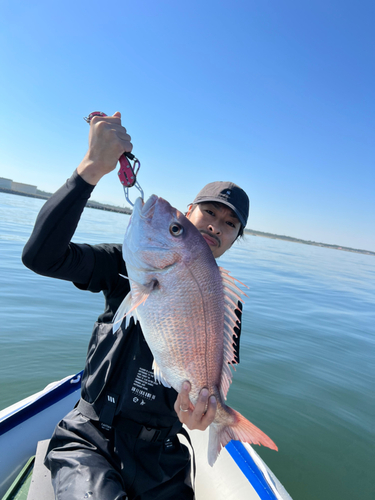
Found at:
<point>44,401</point>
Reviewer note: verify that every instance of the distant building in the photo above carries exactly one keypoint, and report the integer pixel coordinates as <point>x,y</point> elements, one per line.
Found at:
<point>24,188</point>
<point>5,183</point>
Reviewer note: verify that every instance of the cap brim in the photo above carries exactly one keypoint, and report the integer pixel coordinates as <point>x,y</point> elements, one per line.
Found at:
<point>223,202</point>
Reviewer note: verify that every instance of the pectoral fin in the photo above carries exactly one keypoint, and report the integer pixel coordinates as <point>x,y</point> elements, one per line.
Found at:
<point>137,296</point>
<point>159,377</point>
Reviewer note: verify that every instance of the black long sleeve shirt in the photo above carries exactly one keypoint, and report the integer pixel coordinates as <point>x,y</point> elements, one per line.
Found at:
<point>50,252</point>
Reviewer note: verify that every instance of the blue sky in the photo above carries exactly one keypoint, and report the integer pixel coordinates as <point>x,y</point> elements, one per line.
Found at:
<point>275,96</point>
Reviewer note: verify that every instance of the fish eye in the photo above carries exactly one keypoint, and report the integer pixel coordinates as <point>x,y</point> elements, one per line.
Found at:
<point>176,229</point>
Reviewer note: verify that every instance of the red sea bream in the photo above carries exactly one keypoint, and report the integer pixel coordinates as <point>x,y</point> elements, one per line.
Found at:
<point>185,304</point>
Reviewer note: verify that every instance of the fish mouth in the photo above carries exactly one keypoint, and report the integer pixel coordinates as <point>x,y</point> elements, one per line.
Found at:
<point>146,210</point>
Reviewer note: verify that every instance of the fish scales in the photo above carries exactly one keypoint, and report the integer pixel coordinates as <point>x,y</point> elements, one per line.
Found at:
<point>185,304</point>
<point>175,319</point>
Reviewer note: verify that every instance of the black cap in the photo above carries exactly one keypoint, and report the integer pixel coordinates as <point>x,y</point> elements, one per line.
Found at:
<point>229,194</point>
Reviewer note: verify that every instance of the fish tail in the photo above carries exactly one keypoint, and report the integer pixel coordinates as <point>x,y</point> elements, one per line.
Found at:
<point>240,430</point>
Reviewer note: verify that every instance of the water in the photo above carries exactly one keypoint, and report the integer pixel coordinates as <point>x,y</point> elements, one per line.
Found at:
<point>306,376</point>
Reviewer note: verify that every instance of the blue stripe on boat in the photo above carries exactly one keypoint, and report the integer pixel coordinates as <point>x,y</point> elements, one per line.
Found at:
<point>45,401</point>
<point>247,465</point>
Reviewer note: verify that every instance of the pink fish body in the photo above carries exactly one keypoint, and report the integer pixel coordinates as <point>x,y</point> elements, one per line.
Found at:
<point>185,304</point>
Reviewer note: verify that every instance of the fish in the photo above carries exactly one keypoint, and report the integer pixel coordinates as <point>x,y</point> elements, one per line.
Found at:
<point>185,304</point>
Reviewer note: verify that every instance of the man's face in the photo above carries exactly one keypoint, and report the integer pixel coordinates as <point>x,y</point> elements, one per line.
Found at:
<point>217,224</point>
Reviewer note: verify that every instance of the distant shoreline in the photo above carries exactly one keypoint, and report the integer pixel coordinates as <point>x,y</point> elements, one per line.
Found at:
<point>110,208</point>
<point>306,242</point>
<point>42,195</point>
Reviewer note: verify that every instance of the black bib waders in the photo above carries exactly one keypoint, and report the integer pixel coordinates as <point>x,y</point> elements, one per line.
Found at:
<point>121,439</point>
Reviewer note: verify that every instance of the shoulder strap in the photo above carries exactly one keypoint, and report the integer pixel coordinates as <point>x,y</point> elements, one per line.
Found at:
<point>107,412</point>
<point>184,432</point>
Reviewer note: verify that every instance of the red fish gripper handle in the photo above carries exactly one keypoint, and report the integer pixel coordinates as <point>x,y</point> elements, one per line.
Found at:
<point>127,173</point>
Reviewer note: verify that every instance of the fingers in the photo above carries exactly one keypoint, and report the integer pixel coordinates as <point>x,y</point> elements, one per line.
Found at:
<point>205,409</point>
<point>184,396</point>
<point>103,121</point>
<point>123,135</point>
<point>210,413</point>
<point>108,140</point>
<point>183,403</point>
<point>200,416</point>
<point>108,132</point>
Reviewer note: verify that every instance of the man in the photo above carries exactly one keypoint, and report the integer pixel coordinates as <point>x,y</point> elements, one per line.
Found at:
<point>108,447</point>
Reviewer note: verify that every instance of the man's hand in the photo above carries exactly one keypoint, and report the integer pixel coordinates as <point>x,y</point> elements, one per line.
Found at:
<point>108,140</point>
<point>198,417</point>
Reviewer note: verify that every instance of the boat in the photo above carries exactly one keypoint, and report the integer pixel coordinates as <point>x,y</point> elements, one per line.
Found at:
<point>239,473</point>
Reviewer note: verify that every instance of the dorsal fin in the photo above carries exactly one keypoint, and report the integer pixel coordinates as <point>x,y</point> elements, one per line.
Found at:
<point>232,294</point>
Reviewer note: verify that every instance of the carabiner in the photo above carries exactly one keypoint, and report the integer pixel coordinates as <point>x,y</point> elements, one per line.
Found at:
<point>128,176</point>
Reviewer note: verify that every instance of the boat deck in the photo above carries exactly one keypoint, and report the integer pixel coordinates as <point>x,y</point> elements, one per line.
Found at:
<point>40,485</point>
<point>34,480</point>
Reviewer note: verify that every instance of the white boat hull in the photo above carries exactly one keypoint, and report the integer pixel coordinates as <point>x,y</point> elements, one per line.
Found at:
<point>239,472</point>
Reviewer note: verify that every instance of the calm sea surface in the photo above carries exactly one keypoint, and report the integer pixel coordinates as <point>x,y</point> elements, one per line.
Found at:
<point>306,376</point>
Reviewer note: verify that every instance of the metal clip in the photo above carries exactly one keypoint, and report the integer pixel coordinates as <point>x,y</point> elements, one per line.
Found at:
<point>128,176</point>
<point>91,116</point>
